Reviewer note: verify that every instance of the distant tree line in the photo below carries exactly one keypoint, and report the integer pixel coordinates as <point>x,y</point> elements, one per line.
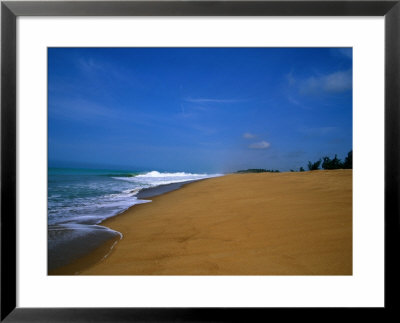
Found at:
<point>258,170</point>
<point>324,162</point>
<point>335,163</point>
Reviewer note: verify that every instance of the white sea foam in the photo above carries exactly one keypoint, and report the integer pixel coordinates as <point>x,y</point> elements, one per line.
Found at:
<point>154,173</point>
<point>155,178</point>
<point>91,200</point>
<point>77,204</point>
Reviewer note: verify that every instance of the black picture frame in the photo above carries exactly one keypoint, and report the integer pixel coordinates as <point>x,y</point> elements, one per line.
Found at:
<point>10,10</point>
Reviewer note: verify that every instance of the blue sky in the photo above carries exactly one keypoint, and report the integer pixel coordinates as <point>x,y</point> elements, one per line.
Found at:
<point>198,109</point>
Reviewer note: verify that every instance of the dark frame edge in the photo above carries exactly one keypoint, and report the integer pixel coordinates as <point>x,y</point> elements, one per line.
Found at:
<point>392,155</point>
<point>202,8</point>
<point>8,161</point>
<point>8,294</point>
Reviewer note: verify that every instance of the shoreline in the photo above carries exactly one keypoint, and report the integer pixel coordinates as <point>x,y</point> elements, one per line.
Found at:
<point>163,189</point>
<point>238,224</point>
<point>105,248</point>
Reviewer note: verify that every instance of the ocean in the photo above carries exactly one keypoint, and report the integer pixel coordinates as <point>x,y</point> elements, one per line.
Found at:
<point>80,199</point>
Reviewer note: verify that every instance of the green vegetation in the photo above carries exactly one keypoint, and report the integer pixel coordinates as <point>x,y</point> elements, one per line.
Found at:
<point>348,161</point>
<point>314,166</point>
<point>258,170</point>
<point>326,163</point>
<point>335,163</point>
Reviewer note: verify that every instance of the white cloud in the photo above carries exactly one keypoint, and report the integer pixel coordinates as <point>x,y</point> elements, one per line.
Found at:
<point>336,82</point>
<point>89,65</point>
<point>260,145</point>
<point>296,102</point>
<point>248,135</point>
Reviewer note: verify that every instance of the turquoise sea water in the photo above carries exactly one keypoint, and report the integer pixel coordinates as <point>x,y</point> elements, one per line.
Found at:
<point>80,199</point>
<point>87,196</point>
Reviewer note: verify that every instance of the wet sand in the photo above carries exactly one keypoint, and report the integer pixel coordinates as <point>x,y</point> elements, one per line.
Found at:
<point>239,224</point>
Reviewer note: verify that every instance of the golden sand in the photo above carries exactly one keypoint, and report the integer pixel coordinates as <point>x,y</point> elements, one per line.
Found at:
<point>239,224</point>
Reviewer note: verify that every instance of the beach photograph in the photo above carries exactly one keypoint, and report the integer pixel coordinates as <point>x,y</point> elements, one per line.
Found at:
<point>200,161</point>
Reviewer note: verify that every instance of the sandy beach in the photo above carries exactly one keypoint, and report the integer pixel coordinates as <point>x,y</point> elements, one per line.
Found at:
<point>240,224</point>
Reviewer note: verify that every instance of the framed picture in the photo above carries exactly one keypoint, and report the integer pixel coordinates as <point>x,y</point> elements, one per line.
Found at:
<point>333,65</point>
